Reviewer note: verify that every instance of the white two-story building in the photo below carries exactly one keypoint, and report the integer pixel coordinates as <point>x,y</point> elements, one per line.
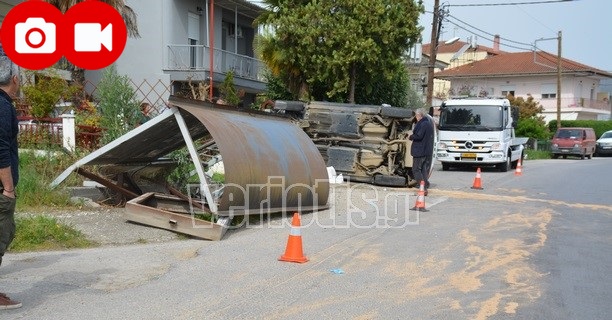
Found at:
<point>524,74</point>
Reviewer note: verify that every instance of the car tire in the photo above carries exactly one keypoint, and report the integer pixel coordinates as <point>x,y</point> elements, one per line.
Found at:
<point>394,112</point>
<point>390,181</point>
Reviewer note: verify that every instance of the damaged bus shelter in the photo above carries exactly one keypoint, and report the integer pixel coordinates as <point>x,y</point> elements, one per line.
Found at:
<point>270,165</point>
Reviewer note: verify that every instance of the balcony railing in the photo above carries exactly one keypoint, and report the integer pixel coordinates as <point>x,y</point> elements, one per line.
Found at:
<point>197,58</point>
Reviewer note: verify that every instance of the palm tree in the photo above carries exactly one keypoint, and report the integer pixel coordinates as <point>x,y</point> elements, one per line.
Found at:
<point>129,16</point>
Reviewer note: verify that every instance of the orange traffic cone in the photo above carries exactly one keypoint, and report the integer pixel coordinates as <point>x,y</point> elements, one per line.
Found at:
<point>293,252</point>
<point>519,168</point>
<point>477,181</point>
<point>420,202</point>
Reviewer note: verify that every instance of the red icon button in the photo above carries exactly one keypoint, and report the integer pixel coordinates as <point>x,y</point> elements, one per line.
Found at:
<point>92,34</point>
<point>29,34</point>
<point>96,35</point>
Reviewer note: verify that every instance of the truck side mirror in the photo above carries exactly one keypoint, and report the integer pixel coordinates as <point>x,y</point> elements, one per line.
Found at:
<point>515,116</point>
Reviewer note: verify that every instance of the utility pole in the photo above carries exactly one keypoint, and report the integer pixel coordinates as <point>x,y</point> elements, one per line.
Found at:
<point>559,80</point>
<point>433,49</point>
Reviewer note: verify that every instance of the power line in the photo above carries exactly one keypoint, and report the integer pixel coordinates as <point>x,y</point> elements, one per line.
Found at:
<point>485,32</point>
<point>506,4</point>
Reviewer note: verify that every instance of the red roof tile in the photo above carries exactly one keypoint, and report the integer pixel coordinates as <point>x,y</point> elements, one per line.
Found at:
<point>517,63</point>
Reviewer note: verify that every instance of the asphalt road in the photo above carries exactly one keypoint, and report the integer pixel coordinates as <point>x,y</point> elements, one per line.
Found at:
<point>536,246</point>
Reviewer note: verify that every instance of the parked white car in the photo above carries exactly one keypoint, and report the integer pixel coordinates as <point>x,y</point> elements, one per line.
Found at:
<point>604,144</point>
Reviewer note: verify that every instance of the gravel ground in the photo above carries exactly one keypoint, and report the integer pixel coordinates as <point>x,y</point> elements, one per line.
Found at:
<point>107,226</point>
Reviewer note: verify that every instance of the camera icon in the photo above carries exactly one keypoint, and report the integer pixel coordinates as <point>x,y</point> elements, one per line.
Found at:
<point>35,36</point>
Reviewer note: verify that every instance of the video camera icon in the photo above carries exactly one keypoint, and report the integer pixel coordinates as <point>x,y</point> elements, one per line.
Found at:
<point>89,37</point>
<point>91,34</point>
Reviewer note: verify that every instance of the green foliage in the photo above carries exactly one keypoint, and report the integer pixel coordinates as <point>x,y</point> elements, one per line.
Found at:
<point>228,91</point>
<point>87,114</point>
<point>537,154</point>
<point>276,88</point>
<point>532,128</point>
<point>118,106</point>
<point>394,90</point>
<point>530,122</point>
<point>336,44</point>
<point>218,177</point>
<point>36,172</point>
<point>46,90</point>
<point>180,176</point>
<point>598,126</point>
<point>41,232</point>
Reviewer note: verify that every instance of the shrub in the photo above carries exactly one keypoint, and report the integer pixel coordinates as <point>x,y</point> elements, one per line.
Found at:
<point>46,90</point>
<point>118,106</point>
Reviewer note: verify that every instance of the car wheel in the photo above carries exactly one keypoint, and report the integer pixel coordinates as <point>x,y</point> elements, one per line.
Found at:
<point>389,181</point>
<point>394,112</point>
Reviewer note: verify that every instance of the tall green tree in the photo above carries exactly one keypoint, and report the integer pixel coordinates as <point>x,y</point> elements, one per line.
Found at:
<point>331,46</point>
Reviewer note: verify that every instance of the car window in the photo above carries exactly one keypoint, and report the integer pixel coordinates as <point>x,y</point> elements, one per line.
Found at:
<point>569,134</point>
<point>607,134</point>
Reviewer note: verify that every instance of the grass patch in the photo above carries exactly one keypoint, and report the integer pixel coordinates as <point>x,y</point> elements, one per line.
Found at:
<point>36,172</point>
<point>40,232</point>
<point>537,154</point>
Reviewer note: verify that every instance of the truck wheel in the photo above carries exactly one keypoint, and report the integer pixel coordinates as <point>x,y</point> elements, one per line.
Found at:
<point>582,156</point>
<point>445,166</point>
<point>554,156</point>
<point>504,167</point>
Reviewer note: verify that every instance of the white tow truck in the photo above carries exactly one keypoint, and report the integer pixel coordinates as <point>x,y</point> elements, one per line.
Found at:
<point>479,132</point>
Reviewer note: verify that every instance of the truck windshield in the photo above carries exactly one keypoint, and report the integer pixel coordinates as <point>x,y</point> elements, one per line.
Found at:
<point>472,118</point>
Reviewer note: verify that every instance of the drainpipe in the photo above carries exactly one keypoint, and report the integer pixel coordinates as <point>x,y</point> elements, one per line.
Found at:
<point>211,37</point>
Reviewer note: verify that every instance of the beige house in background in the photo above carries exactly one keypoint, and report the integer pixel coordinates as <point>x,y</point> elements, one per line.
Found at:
<point>455,55</point>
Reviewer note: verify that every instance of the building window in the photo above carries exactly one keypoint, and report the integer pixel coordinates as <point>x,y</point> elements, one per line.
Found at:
<point>549,91</point>
<point>507,90</point>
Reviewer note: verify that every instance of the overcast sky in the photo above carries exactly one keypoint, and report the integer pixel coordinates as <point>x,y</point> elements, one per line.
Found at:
<point>586,26</point>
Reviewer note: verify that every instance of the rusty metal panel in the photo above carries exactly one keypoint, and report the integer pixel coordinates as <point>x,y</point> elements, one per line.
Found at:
<point>270,163</point>
<point>174,214</point>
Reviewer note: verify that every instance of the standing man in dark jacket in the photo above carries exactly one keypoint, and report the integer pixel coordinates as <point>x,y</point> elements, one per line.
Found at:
<point>422,147</point>
<point>9,160</point>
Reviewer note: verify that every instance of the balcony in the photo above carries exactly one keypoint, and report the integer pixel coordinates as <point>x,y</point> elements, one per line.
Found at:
<point>196,58</point>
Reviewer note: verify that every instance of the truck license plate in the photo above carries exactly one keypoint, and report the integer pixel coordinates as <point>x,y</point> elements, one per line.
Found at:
<point>468,155</point>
